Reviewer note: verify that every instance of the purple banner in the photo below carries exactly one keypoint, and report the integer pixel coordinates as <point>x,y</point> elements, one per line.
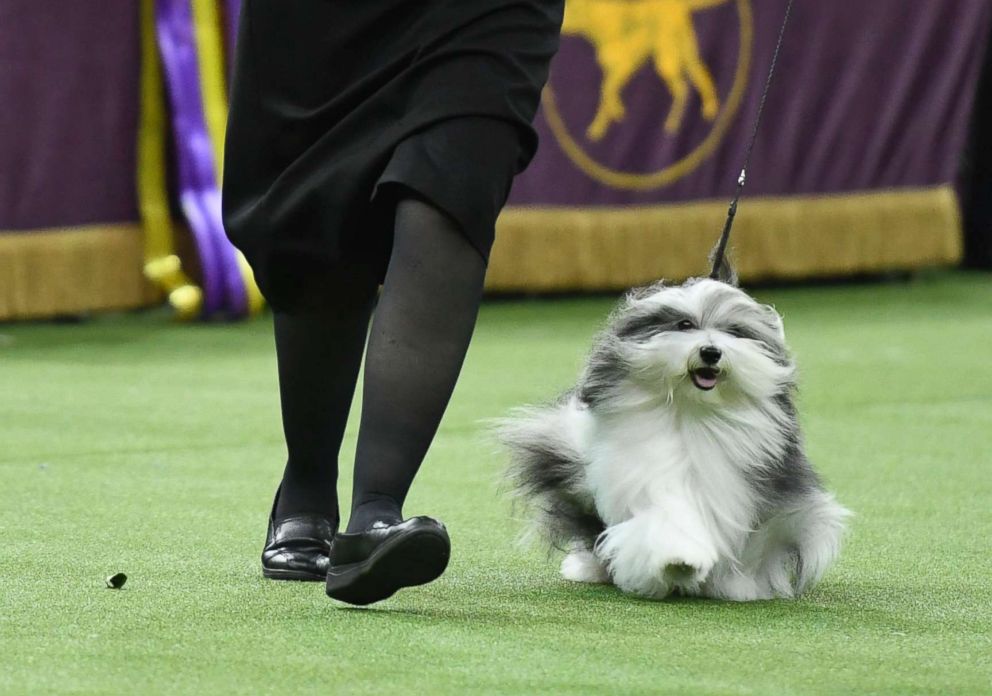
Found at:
<point>652,101</point>
<point>867,96</point>
<point>69,95</point>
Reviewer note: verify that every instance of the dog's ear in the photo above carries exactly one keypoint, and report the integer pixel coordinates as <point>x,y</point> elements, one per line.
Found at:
<point>723,272</point>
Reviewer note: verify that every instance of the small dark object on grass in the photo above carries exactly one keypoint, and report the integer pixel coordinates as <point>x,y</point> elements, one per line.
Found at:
<point>116,581</point>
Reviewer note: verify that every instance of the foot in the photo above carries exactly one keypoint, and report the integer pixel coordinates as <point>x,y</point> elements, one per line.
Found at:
<point>369,566</point>
<point>297,547</point>
<point>381,510</point>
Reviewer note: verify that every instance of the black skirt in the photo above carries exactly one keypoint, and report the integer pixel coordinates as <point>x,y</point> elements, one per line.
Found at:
<point>335,105</point>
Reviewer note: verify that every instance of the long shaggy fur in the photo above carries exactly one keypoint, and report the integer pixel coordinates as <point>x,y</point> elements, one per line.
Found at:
<point>677,463</point>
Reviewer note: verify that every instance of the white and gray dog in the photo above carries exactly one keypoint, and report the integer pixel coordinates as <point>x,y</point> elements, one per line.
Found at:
<point>676,464</point>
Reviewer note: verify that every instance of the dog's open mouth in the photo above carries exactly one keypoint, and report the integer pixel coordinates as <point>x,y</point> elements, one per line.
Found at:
<point>705,378</point>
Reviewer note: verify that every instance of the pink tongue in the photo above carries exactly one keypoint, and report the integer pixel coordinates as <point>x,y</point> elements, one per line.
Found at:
<point>704,382</point>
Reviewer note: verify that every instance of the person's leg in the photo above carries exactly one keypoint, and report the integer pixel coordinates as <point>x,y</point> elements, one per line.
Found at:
<point>319,353</point>
<point>419,336</point>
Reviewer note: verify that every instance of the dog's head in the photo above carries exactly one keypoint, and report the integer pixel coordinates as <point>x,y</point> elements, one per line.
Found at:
<point>703,342</point>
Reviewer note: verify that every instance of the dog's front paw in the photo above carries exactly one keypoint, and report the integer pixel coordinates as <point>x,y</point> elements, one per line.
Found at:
<point>686,562</point>
<point>647,557</point>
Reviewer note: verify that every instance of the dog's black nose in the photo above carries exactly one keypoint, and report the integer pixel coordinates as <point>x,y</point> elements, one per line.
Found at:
<point>710,354</point>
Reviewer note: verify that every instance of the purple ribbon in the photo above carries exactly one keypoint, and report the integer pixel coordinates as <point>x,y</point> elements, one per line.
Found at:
<point>223,287</point>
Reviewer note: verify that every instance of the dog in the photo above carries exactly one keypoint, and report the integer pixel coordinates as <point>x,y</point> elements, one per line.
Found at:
<point>676,464</point>
<point>626,35</point>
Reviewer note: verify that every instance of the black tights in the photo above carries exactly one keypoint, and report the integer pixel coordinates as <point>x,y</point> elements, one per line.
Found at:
<point>421,330</point>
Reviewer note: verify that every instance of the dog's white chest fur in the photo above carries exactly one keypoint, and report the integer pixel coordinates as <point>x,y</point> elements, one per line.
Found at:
<point>639,461</point>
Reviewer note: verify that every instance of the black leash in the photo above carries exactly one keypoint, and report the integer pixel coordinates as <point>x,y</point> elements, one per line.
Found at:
<point>721,247</point>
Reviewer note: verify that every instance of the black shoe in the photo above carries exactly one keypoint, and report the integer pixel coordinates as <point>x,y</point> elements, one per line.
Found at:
<point>372,565</point>
<point>297,546</point>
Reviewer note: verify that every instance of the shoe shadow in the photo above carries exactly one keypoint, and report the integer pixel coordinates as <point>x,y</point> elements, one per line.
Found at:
<point>425,615</point>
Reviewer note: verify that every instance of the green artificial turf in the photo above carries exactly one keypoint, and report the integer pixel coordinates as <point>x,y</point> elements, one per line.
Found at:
<point>134,444</point>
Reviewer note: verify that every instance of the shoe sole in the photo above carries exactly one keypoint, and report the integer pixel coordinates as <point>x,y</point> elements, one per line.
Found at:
<point>298,575</point>
<point>413,558</point>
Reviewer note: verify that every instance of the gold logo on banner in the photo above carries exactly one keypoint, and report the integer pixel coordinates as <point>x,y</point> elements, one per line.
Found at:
<point>626,35</point>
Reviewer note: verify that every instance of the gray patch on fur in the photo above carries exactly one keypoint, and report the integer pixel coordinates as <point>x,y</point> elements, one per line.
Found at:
<point>547,476</point>
<point>605,371</point>
<point>790,476</point>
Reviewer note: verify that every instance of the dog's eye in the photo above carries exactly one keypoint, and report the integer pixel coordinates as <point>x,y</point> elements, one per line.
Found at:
<point>739,332</point>
<point>685,325</point>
